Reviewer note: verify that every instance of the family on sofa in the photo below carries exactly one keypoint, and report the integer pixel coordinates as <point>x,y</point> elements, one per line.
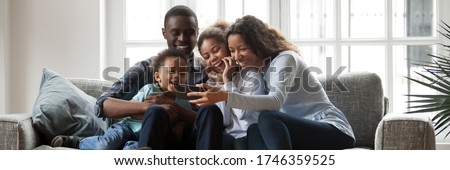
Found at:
<point>253,89</point>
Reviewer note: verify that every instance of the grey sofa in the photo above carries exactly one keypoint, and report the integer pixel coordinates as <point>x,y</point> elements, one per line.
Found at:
<point>362,102</point>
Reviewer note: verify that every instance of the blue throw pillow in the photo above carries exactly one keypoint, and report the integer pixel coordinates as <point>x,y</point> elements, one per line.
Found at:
<point>63,109</point>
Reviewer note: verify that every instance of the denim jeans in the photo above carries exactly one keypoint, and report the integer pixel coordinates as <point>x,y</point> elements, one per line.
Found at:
<point>118,136</point>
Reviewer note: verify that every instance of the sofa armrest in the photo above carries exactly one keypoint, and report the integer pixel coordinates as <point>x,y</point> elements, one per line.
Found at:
<point>405,132</point>
<point>17,132</point>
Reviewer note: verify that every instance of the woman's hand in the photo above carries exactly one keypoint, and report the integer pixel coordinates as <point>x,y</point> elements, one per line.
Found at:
<point>210,97</point>
<point>230,68</point>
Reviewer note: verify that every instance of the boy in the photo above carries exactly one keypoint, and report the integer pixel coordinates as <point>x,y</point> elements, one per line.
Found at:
<point>171,69</point>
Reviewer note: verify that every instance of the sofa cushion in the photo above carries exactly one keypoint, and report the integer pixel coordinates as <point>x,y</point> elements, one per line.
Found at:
<point>63,109</point>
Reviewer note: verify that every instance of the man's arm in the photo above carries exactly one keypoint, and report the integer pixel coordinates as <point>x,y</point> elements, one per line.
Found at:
<point>118,108</point>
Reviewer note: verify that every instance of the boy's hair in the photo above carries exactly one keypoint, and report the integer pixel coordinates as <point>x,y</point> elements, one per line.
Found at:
<point>215,31</point>
<point>180,10</point>
<point>159,59</point>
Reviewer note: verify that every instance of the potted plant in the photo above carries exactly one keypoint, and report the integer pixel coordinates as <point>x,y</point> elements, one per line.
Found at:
<point>437,77</point>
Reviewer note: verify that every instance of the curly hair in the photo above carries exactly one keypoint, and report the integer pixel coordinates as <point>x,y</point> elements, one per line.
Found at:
<point>159,59</point>
<point>264,40</point>
<point>216,32</point>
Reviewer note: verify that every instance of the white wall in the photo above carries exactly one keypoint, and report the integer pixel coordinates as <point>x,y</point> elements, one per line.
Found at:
<point>115,50</point>
<point>4,56</point>
<point>63,35</point>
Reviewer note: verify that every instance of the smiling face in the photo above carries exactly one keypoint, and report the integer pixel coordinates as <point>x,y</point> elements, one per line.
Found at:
<point>172,72</point>
<point>242,53</point>
<point>213,51</point>
<point>181,33</point>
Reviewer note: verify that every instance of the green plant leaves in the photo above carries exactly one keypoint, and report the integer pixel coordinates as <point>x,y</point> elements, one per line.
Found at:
<point>437,77</point>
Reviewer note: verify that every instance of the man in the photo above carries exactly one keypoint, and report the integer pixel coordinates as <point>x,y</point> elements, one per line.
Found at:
<point>181,32</point>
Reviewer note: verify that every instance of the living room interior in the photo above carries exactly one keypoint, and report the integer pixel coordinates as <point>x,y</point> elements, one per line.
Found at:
<point>99,39</point>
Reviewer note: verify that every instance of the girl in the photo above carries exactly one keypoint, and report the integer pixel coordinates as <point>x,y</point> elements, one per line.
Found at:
<point>220,68</point>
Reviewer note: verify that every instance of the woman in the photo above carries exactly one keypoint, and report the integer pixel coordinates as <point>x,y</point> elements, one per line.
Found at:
<point>292,116</point>
<point>220,68</point>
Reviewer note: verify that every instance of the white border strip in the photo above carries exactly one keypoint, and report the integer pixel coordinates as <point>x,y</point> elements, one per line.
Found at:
<point>227,159</point>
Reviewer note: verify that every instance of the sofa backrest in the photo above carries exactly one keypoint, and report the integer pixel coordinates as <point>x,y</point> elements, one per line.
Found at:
<point>361,101</point>
<point>92,87</point>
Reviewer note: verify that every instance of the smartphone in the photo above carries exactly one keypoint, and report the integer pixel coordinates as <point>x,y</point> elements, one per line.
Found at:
<point>183,89</point>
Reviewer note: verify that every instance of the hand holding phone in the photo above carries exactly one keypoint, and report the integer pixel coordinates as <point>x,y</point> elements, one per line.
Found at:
<point>213,95</point>
<point>182,89</point>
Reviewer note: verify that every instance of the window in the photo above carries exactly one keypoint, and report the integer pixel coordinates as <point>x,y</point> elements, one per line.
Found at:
<point>144,20</point>
<point>361,35</point>
<point>367,35</point>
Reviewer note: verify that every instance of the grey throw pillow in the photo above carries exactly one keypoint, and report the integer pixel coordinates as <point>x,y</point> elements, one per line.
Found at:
<point>63,109</point>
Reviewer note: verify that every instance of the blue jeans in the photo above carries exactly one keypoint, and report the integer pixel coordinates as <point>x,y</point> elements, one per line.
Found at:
<point>284,131</point>
<point>118,136</point>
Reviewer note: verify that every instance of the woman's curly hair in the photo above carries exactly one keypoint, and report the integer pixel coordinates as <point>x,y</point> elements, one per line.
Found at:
<point>264,40</point>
